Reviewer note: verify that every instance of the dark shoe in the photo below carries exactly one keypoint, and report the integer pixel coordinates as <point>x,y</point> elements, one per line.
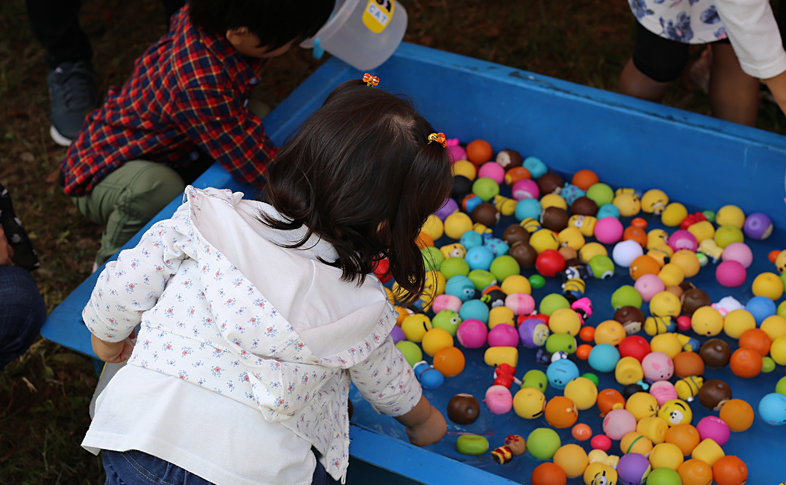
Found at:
<point>73,90</point>
<point>24,254</point>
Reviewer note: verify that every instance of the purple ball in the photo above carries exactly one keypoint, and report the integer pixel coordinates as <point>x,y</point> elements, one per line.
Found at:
<point>632,468</point>
<point>757,226</point>
<point>449,207</point>
<point>533,333</point>
<point>397,334</point>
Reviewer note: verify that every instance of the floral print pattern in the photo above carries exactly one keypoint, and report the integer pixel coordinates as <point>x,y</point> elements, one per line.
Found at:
<point>685,21</point>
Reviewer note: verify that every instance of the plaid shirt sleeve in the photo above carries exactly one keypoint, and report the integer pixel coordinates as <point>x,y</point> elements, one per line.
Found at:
<point>216,120</point>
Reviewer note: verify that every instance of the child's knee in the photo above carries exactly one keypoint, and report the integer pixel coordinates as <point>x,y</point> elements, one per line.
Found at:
<point>154,189</point>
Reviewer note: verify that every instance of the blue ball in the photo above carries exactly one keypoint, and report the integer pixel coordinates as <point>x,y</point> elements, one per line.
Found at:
<point>474,309</point>
<point>604,357</point>
<point>497,246</point>
<point>429,377</point>
<point>761,307</point>
<point>535,166</point>
<point>470,239</point>
<point>772,409</point>
<point>479,257</point>
<point>471,202</point>
<point>560,372</point>
<point>608,210</point>
<point>461,287</point>
<point>527,208</point>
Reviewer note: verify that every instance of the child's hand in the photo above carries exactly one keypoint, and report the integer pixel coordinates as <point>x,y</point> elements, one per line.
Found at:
<point>112,352</point>
<point>430,431</point>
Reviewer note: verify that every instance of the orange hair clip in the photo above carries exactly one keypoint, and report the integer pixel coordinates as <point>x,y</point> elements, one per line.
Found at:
<point>439,138</point>
<point>370,80</point>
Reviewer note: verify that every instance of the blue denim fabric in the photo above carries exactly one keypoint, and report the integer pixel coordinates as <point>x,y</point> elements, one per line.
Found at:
<point>138,468</point>
<point>22,312</point>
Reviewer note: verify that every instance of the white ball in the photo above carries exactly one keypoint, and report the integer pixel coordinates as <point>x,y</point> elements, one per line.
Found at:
<point>625,252</point>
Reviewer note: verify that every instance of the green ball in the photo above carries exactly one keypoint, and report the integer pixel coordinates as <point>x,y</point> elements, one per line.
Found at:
<point>601,193</point>
<point>710,215</point>
<point>663,476</point>
<point>602,266</point>
<point>543,443</point>
<point>726,235</point>
<point>782,307</point>
<point>481,279</point>
<point>561,342</point>
<point>485,188</point>
<point>537,281</point>
<point>454,267</point>
<point>504,266</point>
<point>780,388</point>
<point>447,320</point>
<point>592,377</point>
<point>553,302</point>
<point>767,365</point>
<point>535,378</point>
<point>411,351</point>
<point>432,257</point>
<point>472,444</point>
<point>626,295</point>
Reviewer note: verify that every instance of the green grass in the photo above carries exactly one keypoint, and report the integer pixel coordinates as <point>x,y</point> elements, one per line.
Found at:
<point>44,395</point>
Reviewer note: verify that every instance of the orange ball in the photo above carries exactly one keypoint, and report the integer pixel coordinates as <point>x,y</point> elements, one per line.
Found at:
<point>515,174</point>
<point>583,351</point>
<point>548,474</point>
<point>584,179</point>
<point>639,222</point>
<point>695,472</point>
<point>587,334</point>
<point>687,364</point>
<point>561,412</point>
<point>738,414</point>
<point>450,361</point>
<point>424,240</point>
<point>644,265</point>
<point>581,432</point>
<point>609,399</point>
<point>772,255</point>
<point>685,436</point>
<point>746,362</point>
<point>729,470</point>
<point>479,152</point>
<point>637,234</point>
<point>756,339</point>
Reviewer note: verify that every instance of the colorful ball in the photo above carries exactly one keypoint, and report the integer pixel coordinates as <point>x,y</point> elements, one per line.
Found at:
<point>730,274</point>
<point>772,409</point>
<point>581,432</point>
<point>543,443</point>
<point>547,474</point>
<point>695,472</point>
<point>410,351</point>
<point>715,429</point>
<point>633,468</point>
<point>618,423</point>
<point>604,357</point>
<point>664,476</point>
<point>600,442</point>
<point>684,436</point>
<point>449,361</point>
<point>730,470</point>
<point>666,455</point>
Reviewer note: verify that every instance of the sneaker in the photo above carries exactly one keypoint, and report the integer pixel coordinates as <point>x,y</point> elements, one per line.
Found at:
<point>73,90</point>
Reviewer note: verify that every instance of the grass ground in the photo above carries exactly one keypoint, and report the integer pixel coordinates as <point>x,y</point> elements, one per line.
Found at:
<point>44,395</point>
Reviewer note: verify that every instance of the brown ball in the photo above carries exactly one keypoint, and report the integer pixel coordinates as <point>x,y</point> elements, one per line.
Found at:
<point>524,254</point>
<point>568,252</point>
<point>516,444</point>
<point>693,299</point>
<point>631,319</point>
<point>515,233</point>
<point>555,218</point>
<point>687,364</point>
<point>548,183</point>
<point>463,409</point>
<point>508,158</point>
<point>675,290</point>
<point>714,393</point>
<point>715,353</point>
<point>486,214</point>
<point>584,206</point>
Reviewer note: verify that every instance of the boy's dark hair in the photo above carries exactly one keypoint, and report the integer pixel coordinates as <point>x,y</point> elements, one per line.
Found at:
<point>361,174</point>
<point>275,22</point>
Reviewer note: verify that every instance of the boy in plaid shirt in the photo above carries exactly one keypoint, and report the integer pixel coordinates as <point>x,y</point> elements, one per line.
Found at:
<point>188,94</point>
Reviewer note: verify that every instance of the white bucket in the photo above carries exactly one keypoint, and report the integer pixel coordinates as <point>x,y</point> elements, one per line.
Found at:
<point>362,33</point>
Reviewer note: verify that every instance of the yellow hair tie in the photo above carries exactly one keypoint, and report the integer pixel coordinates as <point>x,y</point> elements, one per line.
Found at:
<point>370,80</point>
<point>439,138</point>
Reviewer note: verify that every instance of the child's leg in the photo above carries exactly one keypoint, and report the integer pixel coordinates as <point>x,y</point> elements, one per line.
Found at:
<point>135,467</point>
<point>734,95</point>
<point>127,199</point>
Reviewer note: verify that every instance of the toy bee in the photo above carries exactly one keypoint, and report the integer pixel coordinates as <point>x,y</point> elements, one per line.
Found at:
<point>710,248</point>
<point>454,250</point>
<point>506,206</point>
<point>624,190</point>
<point>658,325</point>
<point>689,387</point>
<point>484,231</point>
<point>502,455</point>
<point>531,224</point>
<point>574,288</point>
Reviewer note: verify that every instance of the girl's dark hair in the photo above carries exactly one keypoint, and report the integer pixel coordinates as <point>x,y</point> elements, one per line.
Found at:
<point>361,174</point>
<point>275,22</point>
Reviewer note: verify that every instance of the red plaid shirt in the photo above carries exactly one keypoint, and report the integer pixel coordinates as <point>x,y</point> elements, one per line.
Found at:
<point>188,92</point>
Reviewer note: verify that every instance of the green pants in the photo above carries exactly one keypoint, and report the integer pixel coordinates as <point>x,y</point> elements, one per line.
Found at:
<point>127,199</point>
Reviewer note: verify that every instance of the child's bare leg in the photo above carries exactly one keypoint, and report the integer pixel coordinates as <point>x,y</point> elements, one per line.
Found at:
<point>637,84</point>
<point>734,95</point>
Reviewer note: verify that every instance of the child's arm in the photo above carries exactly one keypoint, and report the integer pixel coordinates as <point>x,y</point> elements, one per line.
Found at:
<point>777,87</point>
<point>425,425</point>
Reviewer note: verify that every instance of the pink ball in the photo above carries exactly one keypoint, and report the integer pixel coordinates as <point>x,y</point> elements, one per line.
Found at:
<point>730,274</point>
<point>492,170</point>
<point>714,428</point>
<point>682,239</point>
<point>663,391</point>
<point>657,366</point>
<point>684,323</point>
<point>608,230</point>
<point>455,151</point>
<point>446,302</point>
<point>649,285</point>
<point>472,333</point>
<point>618,423</point>
<point>525,189</point>
<point>503,335</point>
<point>499,399</point>
<point>601,442</point>
<point>739,252</point>
<point>520,303</point>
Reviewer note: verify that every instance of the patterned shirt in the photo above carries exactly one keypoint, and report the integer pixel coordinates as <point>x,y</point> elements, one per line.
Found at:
<point>188,92</point>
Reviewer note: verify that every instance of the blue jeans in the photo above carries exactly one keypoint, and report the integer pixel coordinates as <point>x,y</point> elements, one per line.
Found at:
<point>22,312</point>
<point>135,467</point>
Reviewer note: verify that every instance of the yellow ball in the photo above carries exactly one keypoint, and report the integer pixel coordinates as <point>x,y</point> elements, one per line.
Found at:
<point>516,284</point>
<point>666,455</point>
<point>642,405</point>
<point>668,343</point>
<point>665,304</point>
<point>628,204</point>
<point>553,200</point>
<point>565,320</point>
<point>687,261</point>
<point>465,168</point>
<point>769,285</point>
<point>572,238</point>
<point>727,235</point>
<point>778,350</point>
<point>590,250</point>
<point>654,201</point>
<point>635,442</point>
<point>582,392</point>
<point>544,239</point>
<point>501,315</point>
<point>415,327</point>
<point>774,326</point>
<point>628,371</point>
<point>433,227</point>
<point>457,224</point>
<point>391,297</point>
<point>653,428</point>
<point>674,214</point>
<point>572,459</point>
<point>707,321</point>
<point>738,322</point>
<point>730,215</point>
<point>596,469</point>
<point>609,332</point>
<point>702,230</point>
<point>529,403</point>
<point>671,274</point>
<point>501,355</point>
<point>435,340</point>
<point>657,237</point>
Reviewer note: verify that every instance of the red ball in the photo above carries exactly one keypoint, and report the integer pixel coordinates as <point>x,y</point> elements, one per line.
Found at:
<point>600,442</point>
<point>380,268</point>
<point>541,316</point>
<point>583,351</point>
<point>548,474</point>
<point>550,262</point>
<point>729,470</point>
<point>684,323</point>
<point>634,346</point>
